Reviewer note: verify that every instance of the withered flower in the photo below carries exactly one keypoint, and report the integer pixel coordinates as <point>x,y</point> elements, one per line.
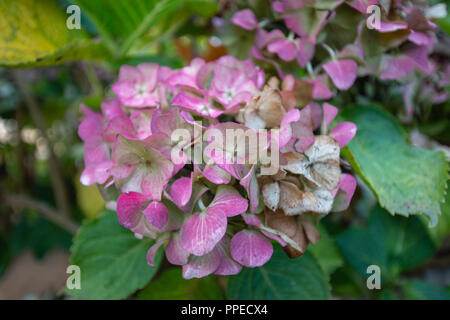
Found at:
<point>296,232</point>
<point>319,164</point>
<point>287,195</point>
<point>265,110</point>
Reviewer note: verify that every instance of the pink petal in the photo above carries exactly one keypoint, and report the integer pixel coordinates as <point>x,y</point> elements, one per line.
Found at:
<point>419,38</point>
<point>129,73</point>
<point>329,113</point>
<point>278,6</point>
<point>342,72</point>
<point>118,125</point>
<point>284,48</point>
<point>196,104</point>
<point>391,26</point>
<point>263,38</point>
<point>250,249</point>
<point>346,189</point>
<point>274,237</point>
<point>320,91</point>
<point>202,231</point>
<point>157,214</point>
<point>175,253</point>
<point>141,120</point>
<point>247,66</point>
<point>215,174</point>
<point>419,54</point>
<point>126,92</point>
<point>305,51</point>
<point>228,201</point>
<point>285,129</point>
<point>149,73</point>
<point>396,67</point>
<point>199,267</point>
<point>251,219</point>
<point>128,205</point>
<point>302,132</point>
<point>91,126</point>
<point>151,254</point>
<point>129,212</point>
<point>181,191</point>
<point>98,173</point>
<point>245,19</point>
<point>227,265</point>
<point>343,133</point>
<point>197,192</point>
<point>352,50</point>
<point>362,5</point>
<point>288,82</point>
<point>250,184</point>
<point>316,115</point>
<point>111,108</point>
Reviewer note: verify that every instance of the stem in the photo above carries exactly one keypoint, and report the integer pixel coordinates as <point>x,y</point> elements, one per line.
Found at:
<point>291,36</point>
<point>20,201</point>
<point>96,85</point>
<point>264,22</point>
<point>58,185</point>
<point>330,51</point>
<point>201,205</point>
<point>310,71</point>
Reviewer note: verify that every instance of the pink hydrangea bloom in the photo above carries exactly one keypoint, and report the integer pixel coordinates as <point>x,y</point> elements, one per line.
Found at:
<point>206,216</point>
<point>137,86</point>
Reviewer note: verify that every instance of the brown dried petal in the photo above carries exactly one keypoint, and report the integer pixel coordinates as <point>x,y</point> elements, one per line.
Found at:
<point>294,201</point>
<point>310,230</point>
<point>271,195</point>
<point>320,164</point>
<point>303,91</point>
<point>265,110</point>
<point>280,222</point>
<point>296,232</point>
<point>306,233</point>
<point>325,174</point>
<point>300,239</point>
<point>291,198</point>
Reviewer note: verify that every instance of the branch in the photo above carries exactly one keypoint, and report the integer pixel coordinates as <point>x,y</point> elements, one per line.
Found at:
<point>58,185</point>
<point>23,202</point>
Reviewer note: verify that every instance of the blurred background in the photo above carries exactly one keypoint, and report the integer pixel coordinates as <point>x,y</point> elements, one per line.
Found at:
<point>41,155</point>
<point>45,76</point>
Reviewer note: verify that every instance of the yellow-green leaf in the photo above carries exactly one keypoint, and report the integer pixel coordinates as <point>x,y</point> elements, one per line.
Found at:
<point>34,33</point>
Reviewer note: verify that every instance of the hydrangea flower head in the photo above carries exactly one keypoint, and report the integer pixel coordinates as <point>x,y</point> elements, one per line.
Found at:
<point>217,211</point>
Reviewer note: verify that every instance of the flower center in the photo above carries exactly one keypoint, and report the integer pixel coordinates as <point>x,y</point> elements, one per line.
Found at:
<point>141,89</point>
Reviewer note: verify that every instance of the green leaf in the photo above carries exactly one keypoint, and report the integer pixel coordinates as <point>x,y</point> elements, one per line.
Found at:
<point>326,252</point>
<point>444,23</point>
<point>122,22</point>
<point>439,232</point>
<point>405,179</point>
<point>112,261</point>
<point>326,4</point>
<point>421,290</point>
<point>393,243</point>
<point>34,33</point>
<point>171,286</point>
<point>281,278</point>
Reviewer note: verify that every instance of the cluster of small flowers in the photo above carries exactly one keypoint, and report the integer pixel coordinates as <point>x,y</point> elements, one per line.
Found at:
<point>211,216</point>
<point>356,44</point>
